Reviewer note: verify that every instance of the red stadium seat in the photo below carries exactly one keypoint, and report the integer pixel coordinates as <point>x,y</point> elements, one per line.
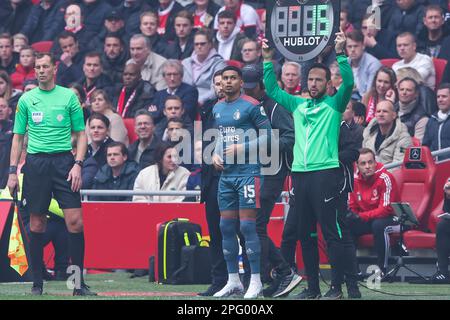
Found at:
<point>129,124</point>
<point>42,46</point>
<point>388,62</point>
<point>439,66</point>
<point>35,1</point>
<point>416,142</point>
<point>235,63</point>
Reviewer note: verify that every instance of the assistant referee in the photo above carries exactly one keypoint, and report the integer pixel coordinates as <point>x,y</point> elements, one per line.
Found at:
<point>50,113</point>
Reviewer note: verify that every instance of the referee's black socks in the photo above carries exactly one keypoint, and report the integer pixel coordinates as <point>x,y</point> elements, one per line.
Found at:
<point>37,256</point>
<point>76,251</point>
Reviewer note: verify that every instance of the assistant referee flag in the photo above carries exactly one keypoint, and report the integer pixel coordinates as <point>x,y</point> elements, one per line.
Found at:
<point>16,249</point>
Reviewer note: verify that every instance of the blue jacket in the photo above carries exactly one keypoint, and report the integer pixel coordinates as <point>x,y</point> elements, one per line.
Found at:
<point>187,93</point>
<point>94,15</point>
<point>437,134</point>
<point>44,25</point>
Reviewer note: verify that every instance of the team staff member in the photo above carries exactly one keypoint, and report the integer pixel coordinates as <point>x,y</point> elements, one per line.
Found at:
<point>50,114</point>
<point>315,169</point>
<point>238,193</point>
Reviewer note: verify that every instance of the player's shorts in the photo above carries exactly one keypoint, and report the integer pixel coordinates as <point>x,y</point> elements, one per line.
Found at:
<point>236,193</point>
<point>45,176</point>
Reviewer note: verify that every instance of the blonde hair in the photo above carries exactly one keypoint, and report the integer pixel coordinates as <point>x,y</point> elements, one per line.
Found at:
<point>408,72</point>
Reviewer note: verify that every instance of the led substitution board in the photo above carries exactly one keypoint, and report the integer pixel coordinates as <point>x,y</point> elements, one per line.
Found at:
<point>301,29</point>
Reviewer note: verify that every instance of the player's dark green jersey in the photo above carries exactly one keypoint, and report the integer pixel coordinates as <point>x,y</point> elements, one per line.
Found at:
<point>239,122</point>
<point>316,121</point>
<point>49,117</point>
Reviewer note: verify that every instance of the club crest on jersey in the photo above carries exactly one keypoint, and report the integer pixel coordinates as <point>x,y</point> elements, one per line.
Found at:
<point>60,117</point>
<point>237,115</point>
<point>263,112</point>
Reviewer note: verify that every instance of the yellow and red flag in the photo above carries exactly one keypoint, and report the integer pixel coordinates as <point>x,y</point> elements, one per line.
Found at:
<point>16,249</point>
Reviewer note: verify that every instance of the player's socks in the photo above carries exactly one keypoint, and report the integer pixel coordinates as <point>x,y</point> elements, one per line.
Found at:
<point>76,251</point>
<point>37,253</point>
<point>252,244</point>
<point>255,288</point>
<point>230,244</point>
<point>233,286</point>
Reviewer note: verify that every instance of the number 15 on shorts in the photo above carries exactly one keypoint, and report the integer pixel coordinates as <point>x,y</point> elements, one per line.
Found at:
<point>249,191</point>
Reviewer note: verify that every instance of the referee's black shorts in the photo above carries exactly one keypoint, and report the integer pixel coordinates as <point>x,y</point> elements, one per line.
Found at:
<point>45,176</point>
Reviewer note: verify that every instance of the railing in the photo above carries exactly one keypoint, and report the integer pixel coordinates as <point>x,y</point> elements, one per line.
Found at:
<point>437,153</point>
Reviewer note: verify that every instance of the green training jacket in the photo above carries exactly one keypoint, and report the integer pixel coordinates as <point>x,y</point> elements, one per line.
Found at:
<point>316,121</point>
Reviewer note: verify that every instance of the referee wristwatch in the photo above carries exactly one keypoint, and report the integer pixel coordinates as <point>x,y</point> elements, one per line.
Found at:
<point>79,162</point>
<point>12,169</point>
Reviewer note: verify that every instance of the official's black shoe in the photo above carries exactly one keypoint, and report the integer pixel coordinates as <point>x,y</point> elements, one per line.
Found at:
<point>83,291</point>
<point>439,278</point>
<point>61,276</point>
<point>212,289</point>
<point>308,295</point>
<point>287,284</point>
<point>271,289</point>
<point>333,294</point>
<point>353,291</point>
<point>36,290</point>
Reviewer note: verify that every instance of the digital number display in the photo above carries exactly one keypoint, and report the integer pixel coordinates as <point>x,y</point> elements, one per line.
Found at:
<point>301,29</point>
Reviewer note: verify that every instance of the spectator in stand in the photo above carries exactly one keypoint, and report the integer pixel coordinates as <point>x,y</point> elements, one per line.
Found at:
<point>19,41</point>
<point>149,28</point>
<point>114,24</point>
<point>167,12</point>
<point>45,21</point>
<point>114,57</point>
<point>434,40</point>
<point>201,66</point>
<point>8,92</point>
<point>380,43</point>
<point>30,85</point>
<point>165,175</point>
<point>228,40</point>
<point>70,68</point>
<point>203,12</point>
<point>247,18</point>
<point>370,210</point>
<point>409,109</point>
<point>135,94</point>
<point>95,13</point>
<point>291,77</point>
<point>14,14</point>
<point>81,95</point>
<point>446,76</point>
<point>407,16</point>
<point>173,108</point>
<point>100,103</point>
<point>183,46</point>
<point>98,126</point>
<point>349,116</point>
<point>117,174</point>
<point>173,75</point>
<point>131,11</point>
<point>174,131</point>
<point>427,97</point>
<point>94,78</point>
<point>74,23</point>
<point>8,58</point>
<point>386,135</point>
<point>383,87</point>
<point>345,24</point>
<point>437,132</point>
<point>406,48</point>
<point>143,150</point>
<point>251,52</point>
<point>149,62</point>
<point>359,111</point>
<point>336,78</point>
<point>25,69</point>
<point>363,64</point>
<point>358,8</point>
<point>6,135</point>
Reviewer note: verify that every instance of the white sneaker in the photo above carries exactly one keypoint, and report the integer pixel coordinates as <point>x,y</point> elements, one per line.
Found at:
<point>254,291</point>
<point>230,289</point>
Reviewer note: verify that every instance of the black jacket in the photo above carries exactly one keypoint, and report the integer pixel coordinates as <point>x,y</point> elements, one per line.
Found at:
<point>173,49</point>
<point>407,21</point>
<point>104,180</point>
<point>131,16</point>
<point>11,21</point>
<point>437,134</point>
<point>282,120</point>
<point>188,124</point>
<point>159,45</point>
<point>98,43</point>
<point>142,99</point>
<point>84,38</point>
<point>148,156</point>
<point>350,141</point>
<point>94,15</point>
<point>93,162</point>
<point>102,82</point>
<point>6,135</point>
<point>66,75</point>
<point>44,25</point>
<point>212,10</point>
<point>11,67</point>
<point>385,47</point>
<point>114,68</point>
<point>170,34</point>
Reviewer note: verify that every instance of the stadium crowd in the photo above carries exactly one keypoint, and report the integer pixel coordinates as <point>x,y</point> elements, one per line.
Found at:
<point>145,70</point>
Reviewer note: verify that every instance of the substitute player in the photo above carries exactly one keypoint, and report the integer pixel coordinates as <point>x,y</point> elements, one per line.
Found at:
<point>50,114</point>
<point>238,194</point>
<point>315,169</point>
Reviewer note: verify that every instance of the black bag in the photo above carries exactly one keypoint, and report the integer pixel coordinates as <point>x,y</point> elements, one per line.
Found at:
<point>172,237</point>
<point>195,266</point>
